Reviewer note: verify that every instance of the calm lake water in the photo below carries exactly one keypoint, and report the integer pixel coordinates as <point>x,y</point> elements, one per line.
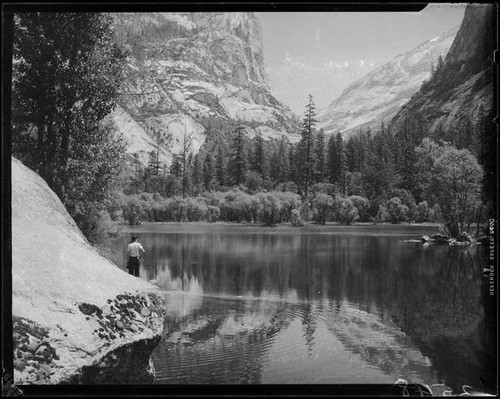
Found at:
<point>317,305</point>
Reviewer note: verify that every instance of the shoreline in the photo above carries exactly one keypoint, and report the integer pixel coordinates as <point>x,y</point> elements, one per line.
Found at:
<point>404,229</point>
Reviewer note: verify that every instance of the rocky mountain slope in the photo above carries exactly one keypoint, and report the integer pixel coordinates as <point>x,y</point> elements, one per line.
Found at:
<point>466,81</point>
<point>379,95</point>
<point>185,68</point>
<point>77,318</point>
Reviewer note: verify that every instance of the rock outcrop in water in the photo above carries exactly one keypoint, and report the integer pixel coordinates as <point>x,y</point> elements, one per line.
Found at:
<point>77,318</point>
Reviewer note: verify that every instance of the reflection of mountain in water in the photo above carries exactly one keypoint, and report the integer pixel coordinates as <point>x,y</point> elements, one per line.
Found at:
<point>224,342</point>
<point>380,344</point>
<point>432,294</point>
<point>229,340</point>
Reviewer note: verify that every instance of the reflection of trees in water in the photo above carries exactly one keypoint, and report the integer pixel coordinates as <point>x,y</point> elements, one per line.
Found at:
<point>433,293</point>
<point>446,303</point>
<point>309,326</point>
<point>443,311</point>
<point>222,342</point>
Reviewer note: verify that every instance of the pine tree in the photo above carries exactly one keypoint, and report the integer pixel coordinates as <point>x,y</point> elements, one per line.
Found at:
<point>352,153</point>
<point>153,164</point>
<point>280,171</point>
<point>197,173</point>
<point>258,156</point>
<point>261,162</point>
<point>294,158</point>
<point>306,146</point>
<point>341,163</point>
<point>378,173</point>
<point>386,152</point>
<point>407,158</point>
<point>238,164</point>
<point>320,154</point>
<point>439,68</point>
<point>221,167</point>
<point>386,146</point>
<point>209,173</point>
<point>176,167</point>
<point>332,163</point>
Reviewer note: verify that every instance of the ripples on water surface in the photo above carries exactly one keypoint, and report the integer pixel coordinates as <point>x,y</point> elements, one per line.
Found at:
<point>276,307</point>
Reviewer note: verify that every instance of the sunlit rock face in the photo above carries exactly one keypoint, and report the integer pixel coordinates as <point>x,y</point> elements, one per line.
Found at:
<point>185,68</point>
<point>76,316</point>
<point>378,96</point>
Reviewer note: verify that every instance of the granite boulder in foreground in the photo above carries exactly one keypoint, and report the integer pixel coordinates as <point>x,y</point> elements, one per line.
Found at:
<point>77,318</point>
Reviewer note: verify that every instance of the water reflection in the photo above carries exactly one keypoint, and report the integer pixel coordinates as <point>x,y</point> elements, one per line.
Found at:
<point>317,308</point>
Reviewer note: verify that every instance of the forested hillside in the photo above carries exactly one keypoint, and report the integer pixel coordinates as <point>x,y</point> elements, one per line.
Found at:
<point>207,140</point>
<point>408,170</point>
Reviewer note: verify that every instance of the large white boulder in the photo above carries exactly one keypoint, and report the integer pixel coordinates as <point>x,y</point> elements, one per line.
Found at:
<point>77,317</point>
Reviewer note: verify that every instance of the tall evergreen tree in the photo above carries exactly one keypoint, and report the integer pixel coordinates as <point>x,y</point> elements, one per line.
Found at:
<point>176,166</point>
<point>407,159</point>
<point>197,173</point>
<point>306,145</point>
<point>153,164</point>
<point>261,159</point>
<point>332,160</point>
<point>294,164</point>
<point>221,166</point>
<point>352,153</point>
<point>281,162</point>
<point>209,173</point>
<point>258,155</point>
<point>341,163</point>
<point>320,154</point>
<point>238,163</point>
<point>361,150</point>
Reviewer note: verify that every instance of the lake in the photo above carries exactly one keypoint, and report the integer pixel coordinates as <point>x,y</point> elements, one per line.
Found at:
<point>317,305</point>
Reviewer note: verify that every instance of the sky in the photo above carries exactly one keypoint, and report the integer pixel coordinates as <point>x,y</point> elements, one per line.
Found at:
<point>321,53</point>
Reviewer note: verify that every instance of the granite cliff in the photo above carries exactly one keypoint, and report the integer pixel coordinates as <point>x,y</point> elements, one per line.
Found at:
<point>465,83</point>
<point>184,69</point>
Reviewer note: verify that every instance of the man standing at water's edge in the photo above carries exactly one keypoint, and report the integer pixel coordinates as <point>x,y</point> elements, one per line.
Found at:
<point>133,251</point>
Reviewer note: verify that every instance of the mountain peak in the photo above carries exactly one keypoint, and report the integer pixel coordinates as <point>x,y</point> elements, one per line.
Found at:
<point>377,96</point>
<point>196,66</point>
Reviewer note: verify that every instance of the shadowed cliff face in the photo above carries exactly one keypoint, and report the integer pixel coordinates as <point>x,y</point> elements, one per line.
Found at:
<point>466,80</point>
<point>185,68</point>
<point>72,309</point>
